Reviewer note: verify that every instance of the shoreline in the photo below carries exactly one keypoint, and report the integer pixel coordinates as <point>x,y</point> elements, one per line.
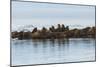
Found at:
<point>55,33</point>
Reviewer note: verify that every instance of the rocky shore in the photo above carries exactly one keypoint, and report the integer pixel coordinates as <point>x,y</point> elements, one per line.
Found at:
<point>52,33</point>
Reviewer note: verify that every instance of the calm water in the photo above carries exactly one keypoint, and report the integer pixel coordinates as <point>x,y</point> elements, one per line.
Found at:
<point>52,51</point>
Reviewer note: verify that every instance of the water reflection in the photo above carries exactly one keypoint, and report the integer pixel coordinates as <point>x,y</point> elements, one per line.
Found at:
<point>52,43</point>
<point>52,50</point>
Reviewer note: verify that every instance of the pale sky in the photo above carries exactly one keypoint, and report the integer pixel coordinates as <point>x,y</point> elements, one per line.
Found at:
<point>46,14</point>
